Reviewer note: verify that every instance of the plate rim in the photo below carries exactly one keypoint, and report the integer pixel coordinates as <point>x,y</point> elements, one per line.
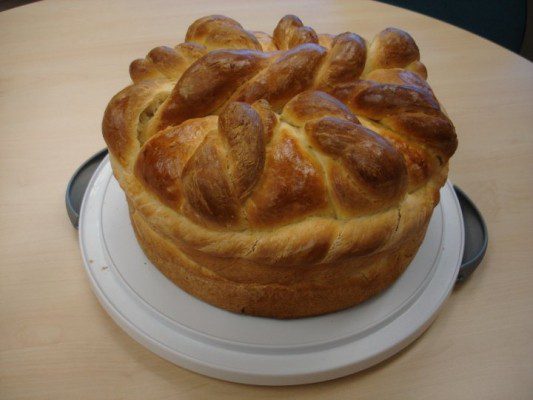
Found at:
<point>242,375</point>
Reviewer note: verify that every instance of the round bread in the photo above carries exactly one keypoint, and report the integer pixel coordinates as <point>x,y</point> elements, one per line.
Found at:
<point>283,176</point>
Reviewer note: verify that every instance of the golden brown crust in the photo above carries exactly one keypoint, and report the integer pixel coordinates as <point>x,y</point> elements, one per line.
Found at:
<point>314,104</point>
<point>325,40</point>
<point>206,85</point>
<point>166,62</point>
<point>266,41</point>
<point>345,61</point>
<point>241,129</point>
<point>161,161</point>
<point>392,48</point>
<point>248,288</point>
<point>376,168</point>
<point>268,118</point>
<point>214,169</point>
<point>122,118</point>
<point>291,32</point>
<point>207,188</point>
<point>289,74</point>
<point>218,31</point>
<point>291,186</point>
<point>280,176</point>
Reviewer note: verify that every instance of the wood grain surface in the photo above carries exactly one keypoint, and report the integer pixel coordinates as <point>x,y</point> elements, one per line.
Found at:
<point>61,61</point>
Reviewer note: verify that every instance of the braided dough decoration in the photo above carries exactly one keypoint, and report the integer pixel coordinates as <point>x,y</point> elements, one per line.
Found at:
<point>283,176</point>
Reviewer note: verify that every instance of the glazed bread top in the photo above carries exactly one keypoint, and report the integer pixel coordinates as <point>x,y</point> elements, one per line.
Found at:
<point>243,135</point>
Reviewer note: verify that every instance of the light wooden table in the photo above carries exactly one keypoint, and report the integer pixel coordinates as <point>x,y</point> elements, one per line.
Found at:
<point>60,62</point>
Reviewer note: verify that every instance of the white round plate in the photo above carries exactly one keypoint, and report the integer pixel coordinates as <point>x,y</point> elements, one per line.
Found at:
<point>263,351</point>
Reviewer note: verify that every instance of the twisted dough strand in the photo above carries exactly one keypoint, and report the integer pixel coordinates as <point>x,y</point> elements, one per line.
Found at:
<point>373,79</point>
<point>217,177</point>
<point>396,102</point>
<point>266,165</point>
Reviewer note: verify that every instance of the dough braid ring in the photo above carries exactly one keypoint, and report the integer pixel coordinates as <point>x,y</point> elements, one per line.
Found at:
<point>280,176</point>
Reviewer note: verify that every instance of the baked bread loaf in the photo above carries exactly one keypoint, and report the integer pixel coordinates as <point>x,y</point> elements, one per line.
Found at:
<point>283,176</point>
